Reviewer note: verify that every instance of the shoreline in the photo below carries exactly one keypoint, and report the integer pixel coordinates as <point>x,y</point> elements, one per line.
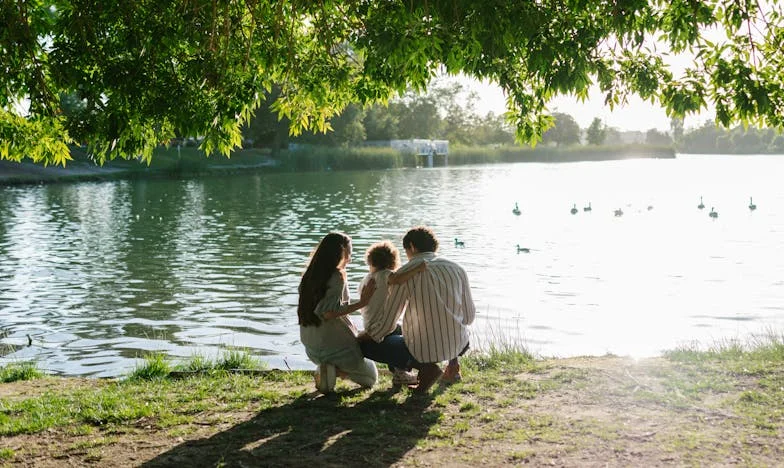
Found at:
<point>176,162</point>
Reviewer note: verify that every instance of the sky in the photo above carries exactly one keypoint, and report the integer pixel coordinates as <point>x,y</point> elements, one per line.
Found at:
<point>636,115</point>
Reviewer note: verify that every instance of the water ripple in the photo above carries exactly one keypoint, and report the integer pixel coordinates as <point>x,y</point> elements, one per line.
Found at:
<point>100,273</point>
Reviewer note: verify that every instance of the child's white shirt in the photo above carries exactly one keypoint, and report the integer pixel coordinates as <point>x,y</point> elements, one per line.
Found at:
<point>376,304</point>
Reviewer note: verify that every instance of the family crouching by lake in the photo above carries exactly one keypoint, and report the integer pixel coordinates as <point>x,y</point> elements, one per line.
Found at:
<point>429,295</point>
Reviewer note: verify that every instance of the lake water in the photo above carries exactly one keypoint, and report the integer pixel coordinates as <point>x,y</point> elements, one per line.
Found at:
<point>100,273</point>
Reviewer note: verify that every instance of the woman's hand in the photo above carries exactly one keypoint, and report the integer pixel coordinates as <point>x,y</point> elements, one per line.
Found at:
<point>367,291</point>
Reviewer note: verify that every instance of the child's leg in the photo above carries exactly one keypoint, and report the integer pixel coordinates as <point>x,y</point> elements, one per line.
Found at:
<point>401,376</point>
<point>396,331</point>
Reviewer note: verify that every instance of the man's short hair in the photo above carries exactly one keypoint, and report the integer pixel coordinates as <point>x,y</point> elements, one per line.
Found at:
<point>422,238</point>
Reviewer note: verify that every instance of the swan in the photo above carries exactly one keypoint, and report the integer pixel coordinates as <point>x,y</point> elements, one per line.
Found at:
<point>701,205</point>
<point>574,209</point>
<point>752,206</point>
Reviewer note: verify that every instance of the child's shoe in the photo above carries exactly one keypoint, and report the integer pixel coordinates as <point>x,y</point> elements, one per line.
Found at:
<point>403,377</point>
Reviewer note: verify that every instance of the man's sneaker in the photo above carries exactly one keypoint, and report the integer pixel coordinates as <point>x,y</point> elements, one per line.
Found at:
<point>325,377</point>
<point>402,377</point>
<point>451,374</point>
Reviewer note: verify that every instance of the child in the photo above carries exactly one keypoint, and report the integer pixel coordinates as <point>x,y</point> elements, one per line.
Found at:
<point>382,259</point>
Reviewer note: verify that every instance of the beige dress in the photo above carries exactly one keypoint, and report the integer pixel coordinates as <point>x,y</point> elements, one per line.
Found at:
<point>334,341</point>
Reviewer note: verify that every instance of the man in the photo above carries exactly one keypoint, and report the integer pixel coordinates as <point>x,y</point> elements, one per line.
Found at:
<point>438,307</point>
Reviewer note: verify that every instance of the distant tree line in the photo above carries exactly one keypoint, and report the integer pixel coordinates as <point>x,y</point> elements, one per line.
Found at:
<point>445,112</point>
<point>709,138</point>
<point>448,112</point>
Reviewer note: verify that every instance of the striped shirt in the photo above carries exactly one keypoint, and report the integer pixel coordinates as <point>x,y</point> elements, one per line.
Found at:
<point>437,305</point>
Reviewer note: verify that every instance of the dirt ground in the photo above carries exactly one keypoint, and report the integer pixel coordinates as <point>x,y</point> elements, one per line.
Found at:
<point>590,412</point>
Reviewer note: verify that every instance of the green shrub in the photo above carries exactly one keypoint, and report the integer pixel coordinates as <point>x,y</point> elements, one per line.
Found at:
<point>323,158</point>
<point>20,371</point>
<point>155,367</point>
<point>237,359</point>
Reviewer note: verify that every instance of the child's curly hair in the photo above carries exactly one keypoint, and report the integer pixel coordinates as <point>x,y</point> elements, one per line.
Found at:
<point>383,256</point>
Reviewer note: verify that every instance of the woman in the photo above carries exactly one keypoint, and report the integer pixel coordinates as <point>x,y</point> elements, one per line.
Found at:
<point>331,343</point>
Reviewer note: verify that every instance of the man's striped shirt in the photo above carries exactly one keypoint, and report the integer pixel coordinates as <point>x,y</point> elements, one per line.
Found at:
<point>437,305</point>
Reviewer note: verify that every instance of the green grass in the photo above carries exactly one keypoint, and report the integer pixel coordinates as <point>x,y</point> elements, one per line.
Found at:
<point>525,408</point>
<point>321,158</point>
<point>238,359</point>
<point>158,366</point>
<point>19,371</point>
<point>755,369</point>
<point>163,401</point>
<point>742,357</point>
<point>147,394</point>
<point>155,366</point>
<point>197,363</point>
<point>502,349</point>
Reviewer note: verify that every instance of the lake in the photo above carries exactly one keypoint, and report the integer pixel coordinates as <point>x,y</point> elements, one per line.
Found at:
<point>99,273</point>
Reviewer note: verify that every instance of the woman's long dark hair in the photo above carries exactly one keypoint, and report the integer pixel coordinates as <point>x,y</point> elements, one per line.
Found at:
<point>323,264</point>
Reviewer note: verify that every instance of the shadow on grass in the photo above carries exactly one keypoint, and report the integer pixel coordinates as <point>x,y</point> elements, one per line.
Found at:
<point>334,430</point>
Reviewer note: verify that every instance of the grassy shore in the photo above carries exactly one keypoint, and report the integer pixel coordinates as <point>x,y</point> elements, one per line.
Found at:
<point>189,161</point>
<point>723,406</point>
<point>166,163</point>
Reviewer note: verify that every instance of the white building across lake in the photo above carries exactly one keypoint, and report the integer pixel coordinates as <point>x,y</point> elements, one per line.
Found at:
<point>431,151</point>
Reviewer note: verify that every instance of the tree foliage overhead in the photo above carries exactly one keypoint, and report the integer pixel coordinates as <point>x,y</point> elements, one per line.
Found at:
<point>146,71</point>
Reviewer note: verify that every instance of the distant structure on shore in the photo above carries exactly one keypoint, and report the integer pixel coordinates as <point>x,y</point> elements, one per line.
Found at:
<point>427,152</point>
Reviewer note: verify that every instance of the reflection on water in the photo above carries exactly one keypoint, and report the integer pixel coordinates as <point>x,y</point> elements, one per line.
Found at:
<point>99,273</point>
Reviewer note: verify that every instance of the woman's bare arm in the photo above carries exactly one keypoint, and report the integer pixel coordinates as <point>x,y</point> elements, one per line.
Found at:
<point>367,293</point>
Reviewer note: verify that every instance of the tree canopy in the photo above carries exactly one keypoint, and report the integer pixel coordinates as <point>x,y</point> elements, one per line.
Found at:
<point>565,130</point>
<point>447,111</point>
<point>596,132</point>
<point>124,77</point>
